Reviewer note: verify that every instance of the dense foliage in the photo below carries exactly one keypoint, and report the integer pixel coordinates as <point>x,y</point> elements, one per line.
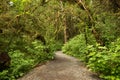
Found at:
<point>98,43</point>
<point>31,30</point>
<point>103,60</point>
<point>76,46</point>
<point>26,36</point>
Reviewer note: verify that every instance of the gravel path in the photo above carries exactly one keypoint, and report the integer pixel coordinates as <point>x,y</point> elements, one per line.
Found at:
<point>63,67</point>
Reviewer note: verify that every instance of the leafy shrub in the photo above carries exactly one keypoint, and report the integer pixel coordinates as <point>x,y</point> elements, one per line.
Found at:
<point>19,65</point>
<point>21,61</point>
<point>39,52</point>
<point>106,61</point>
<point>76,46</point>
<point>54,45</point>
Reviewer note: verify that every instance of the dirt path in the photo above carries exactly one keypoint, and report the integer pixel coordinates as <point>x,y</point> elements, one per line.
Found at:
<point>63,67</point>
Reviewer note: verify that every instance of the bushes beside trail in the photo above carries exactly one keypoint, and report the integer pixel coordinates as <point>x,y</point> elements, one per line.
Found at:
<point>102,60</point>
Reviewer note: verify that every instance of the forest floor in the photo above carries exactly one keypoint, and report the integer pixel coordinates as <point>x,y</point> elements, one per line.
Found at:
<point>63,67</point>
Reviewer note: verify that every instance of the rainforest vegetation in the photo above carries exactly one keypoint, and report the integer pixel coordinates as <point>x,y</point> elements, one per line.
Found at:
<point>32,30</point>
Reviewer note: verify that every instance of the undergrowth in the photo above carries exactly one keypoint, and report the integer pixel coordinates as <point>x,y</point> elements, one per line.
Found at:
<point>100,59</point>
<point>22,62</point>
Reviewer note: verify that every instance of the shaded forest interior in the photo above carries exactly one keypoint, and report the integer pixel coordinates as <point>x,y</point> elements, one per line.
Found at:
<point>32,30</point>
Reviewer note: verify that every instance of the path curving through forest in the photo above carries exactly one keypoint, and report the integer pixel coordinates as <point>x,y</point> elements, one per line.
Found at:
<point>64,67</point>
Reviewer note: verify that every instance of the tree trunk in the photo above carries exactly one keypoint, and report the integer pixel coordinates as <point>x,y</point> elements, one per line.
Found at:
<point>4,61</point>
<point>95,33</point>
<point>65,31</point>
<point>64,22</point>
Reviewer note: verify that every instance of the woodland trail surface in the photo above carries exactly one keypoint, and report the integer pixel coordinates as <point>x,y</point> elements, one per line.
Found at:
<point>63,67</point>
